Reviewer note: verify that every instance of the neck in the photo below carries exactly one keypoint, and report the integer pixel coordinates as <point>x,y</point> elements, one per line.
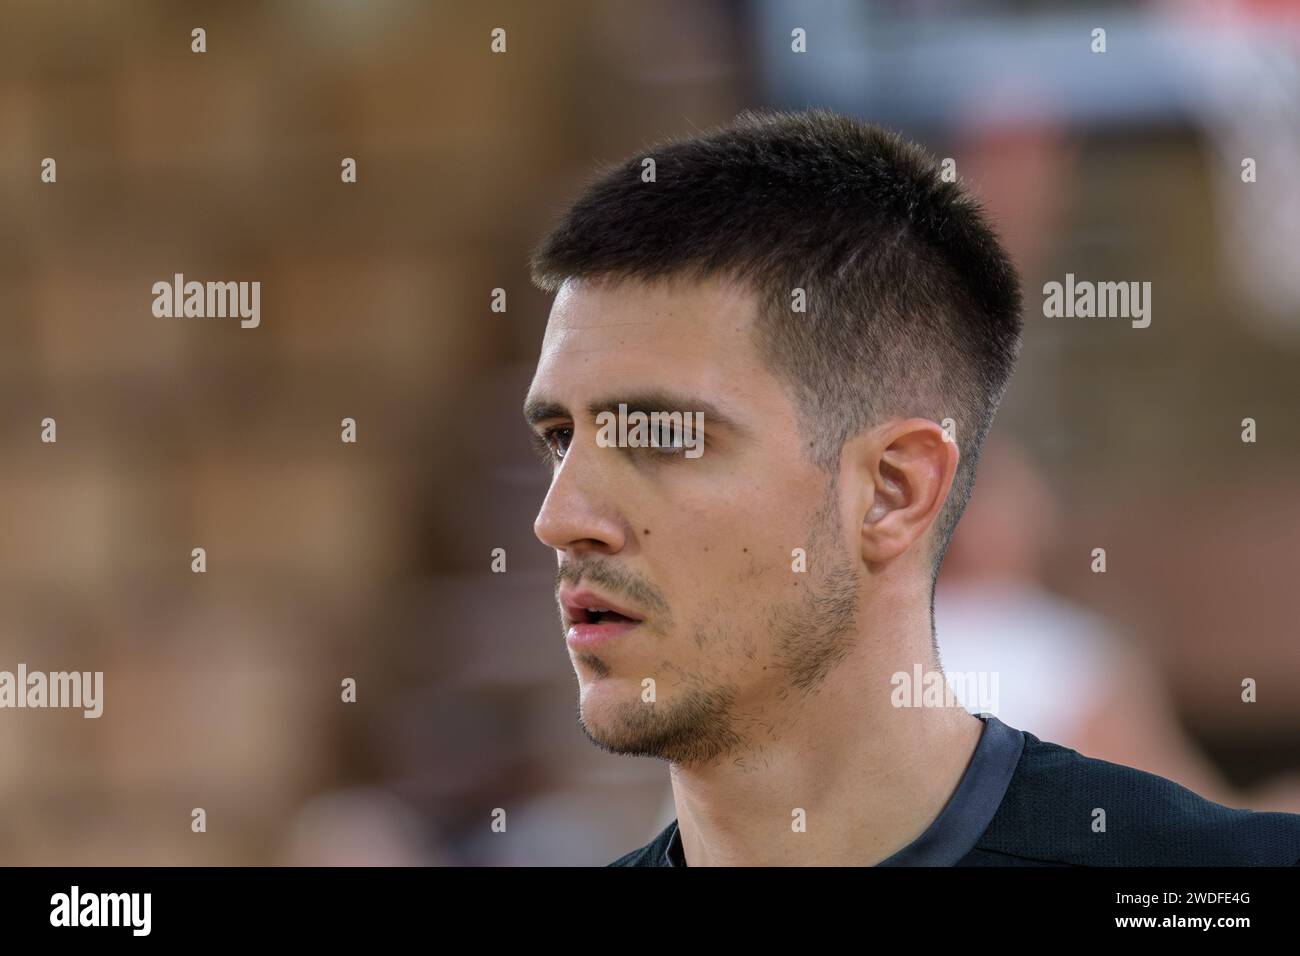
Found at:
<point>869,777</point>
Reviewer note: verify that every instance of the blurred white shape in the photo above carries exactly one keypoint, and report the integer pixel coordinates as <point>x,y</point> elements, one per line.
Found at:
<point>358,827</point>
<point>1052,657</point>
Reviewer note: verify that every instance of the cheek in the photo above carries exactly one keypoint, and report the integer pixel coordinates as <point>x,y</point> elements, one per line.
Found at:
<point>727,595</point>
<point>732,542</point>
<point>724,550</point>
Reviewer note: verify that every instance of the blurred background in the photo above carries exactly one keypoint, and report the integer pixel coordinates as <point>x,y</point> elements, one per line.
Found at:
<point>372,560</point>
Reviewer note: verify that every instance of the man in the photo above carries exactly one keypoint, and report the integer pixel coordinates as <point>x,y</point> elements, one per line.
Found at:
<point>753,601</point>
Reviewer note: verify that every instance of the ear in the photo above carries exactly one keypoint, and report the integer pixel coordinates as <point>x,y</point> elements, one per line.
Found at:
<point>904,471</point>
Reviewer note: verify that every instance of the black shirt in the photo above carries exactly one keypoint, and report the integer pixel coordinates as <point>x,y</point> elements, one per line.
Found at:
<point>1025,802</point>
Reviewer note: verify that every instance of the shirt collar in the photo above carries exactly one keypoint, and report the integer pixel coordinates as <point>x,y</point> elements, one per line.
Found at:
<point>957,828</point>
<point>673,854</point>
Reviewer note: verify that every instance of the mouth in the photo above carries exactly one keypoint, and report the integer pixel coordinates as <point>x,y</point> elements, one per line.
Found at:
<point>592,619</point>
<point>601,615</point>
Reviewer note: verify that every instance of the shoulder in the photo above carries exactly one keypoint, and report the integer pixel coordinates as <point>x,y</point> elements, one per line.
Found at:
<point>1065,809</point>
<point>652,854</point>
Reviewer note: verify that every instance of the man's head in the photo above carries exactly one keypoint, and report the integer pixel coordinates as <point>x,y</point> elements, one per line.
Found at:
<point>812,285</point>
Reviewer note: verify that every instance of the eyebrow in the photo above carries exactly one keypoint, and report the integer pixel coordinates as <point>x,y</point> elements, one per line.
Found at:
<point>542,409</point>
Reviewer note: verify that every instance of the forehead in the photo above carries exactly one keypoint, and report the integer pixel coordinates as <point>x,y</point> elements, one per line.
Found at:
<point>696,335</point>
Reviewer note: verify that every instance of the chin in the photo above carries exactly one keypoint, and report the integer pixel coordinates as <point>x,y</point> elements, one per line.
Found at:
<point>612,711</point>
<point>603,692</point>
<point>602,725</point>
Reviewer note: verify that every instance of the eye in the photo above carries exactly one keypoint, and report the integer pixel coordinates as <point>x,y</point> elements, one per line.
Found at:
<point>553,443</point>
<point>668,443</point>
<point>671,441</point>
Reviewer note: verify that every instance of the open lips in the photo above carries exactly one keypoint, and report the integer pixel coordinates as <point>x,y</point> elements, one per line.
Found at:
<point>588,607</point>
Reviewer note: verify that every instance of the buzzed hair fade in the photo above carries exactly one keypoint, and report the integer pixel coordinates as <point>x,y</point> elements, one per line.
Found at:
<point>912,305</point>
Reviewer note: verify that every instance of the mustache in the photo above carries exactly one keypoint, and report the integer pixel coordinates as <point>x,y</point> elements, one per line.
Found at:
<point>617,580</point>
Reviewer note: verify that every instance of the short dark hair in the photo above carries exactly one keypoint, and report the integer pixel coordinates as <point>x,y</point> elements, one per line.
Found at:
<point>913,307</point>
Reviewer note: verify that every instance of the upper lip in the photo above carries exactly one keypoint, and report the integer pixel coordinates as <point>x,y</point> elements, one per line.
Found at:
<point>576,602</point>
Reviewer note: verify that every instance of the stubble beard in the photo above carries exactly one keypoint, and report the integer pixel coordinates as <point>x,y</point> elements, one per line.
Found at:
<point>808,636</point>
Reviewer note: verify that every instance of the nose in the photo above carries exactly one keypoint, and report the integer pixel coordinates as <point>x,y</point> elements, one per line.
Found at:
<point>579,512</point>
